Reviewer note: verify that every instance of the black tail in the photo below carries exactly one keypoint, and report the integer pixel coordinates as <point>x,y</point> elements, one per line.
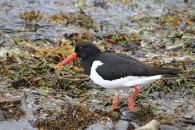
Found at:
<point>167,72</point>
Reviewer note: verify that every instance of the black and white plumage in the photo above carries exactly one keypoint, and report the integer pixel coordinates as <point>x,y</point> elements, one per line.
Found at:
<point>117,71</point>
<point>112,70</point>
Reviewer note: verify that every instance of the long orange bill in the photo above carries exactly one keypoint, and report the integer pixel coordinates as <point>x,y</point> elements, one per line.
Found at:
<point>68,59</point>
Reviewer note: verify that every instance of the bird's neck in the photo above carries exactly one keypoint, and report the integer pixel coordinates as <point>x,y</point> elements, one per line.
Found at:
<point>87,64</point>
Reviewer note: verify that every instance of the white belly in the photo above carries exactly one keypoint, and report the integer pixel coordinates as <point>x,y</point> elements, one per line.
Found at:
<point>122,82</point>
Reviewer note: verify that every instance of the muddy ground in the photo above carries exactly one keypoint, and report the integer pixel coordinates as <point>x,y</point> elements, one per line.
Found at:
<point>36,35</point>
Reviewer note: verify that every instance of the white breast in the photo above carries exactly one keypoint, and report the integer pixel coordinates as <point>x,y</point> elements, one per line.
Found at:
<point>122,82</point>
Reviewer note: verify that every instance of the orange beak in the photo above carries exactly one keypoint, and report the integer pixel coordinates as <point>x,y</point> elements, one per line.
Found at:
<point>65,61</point>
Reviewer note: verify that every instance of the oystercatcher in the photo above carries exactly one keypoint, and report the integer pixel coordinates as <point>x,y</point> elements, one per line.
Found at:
<point>116,71</point>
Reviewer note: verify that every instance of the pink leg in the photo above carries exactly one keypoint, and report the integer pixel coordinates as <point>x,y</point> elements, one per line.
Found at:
<point>130,101</point>
<point>115,102</point>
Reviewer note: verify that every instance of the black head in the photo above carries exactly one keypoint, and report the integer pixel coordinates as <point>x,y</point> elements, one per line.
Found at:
<point>86,50</point>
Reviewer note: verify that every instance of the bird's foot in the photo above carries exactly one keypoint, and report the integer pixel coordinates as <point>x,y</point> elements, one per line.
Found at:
<point>130,101</point>
<point>114,104</point>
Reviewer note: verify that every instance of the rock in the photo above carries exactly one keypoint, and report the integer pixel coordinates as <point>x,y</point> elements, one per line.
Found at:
<point>190,127</point>
<point>9,100</point>
<point>189,122</point>
<point>189,115</point>
<point>53,92</point>
<point>152,125</point>
<point>100,3</point>
<point>131,43</point>
<point>126,114</point>
<point>174,48</point>
<point>2,117</point>
<point>168,127</point>
<point>35,37</point>
<point>35,92</point>
<point>5,35</point>
<point>140,54</point>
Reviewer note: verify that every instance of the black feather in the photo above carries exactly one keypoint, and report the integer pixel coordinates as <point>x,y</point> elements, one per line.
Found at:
<point>116,66</point>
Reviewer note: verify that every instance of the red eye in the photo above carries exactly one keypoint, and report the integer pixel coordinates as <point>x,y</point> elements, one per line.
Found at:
<point>80,48</point>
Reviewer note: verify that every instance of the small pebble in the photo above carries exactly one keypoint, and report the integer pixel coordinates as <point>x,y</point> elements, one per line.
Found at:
<point>35,92</point>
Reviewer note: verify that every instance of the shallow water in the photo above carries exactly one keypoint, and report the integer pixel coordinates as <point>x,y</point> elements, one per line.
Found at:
<point>113,15</point>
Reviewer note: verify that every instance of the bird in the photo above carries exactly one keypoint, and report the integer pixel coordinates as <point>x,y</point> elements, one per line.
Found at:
<point>116,71</point>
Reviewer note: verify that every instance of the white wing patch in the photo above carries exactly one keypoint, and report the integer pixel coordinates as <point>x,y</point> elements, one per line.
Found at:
<point>125,82</point>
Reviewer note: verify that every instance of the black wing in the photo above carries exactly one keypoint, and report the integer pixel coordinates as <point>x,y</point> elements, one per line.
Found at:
<point>117,65</point>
